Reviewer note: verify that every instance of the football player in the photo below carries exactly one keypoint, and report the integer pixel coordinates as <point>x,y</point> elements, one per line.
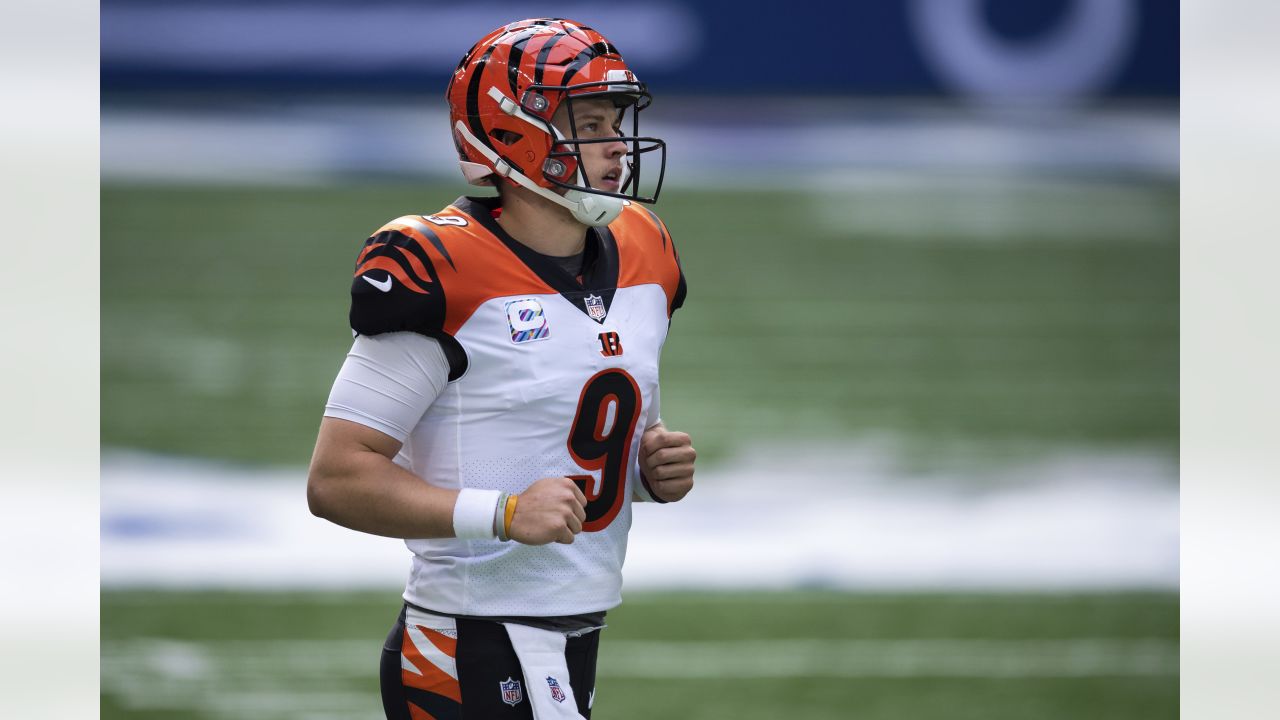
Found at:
<point>499,408</point>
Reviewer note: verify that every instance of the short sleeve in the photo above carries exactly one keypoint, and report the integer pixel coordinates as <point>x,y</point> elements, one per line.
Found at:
<point>387,382</point>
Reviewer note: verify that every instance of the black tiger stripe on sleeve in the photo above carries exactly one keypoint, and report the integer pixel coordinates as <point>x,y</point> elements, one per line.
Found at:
<point>400,257</point>
<point>396,287</point>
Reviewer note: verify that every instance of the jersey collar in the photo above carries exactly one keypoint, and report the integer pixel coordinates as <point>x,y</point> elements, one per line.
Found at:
<point>599,261</point>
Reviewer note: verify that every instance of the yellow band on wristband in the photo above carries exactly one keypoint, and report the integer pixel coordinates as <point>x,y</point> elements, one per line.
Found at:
<point>510,513</point>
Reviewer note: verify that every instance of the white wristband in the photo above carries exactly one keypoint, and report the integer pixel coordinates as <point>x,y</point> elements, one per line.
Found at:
<point>473,514</point>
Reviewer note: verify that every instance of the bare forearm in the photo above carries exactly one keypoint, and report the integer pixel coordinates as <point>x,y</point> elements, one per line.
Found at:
<point>354,483</point>
<point>370,493</point>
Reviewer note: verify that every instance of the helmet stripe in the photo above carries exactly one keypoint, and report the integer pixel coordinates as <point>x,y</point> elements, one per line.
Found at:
<point>543,54</point>
<point>516,57</point>
<point>473,99</point>
<point>580,61</point>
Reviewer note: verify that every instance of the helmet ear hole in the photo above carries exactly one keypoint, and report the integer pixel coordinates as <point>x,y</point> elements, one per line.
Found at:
<point>506,137</point>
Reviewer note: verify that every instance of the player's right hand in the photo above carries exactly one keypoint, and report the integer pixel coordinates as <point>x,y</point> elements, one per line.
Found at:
<point>550,510</point>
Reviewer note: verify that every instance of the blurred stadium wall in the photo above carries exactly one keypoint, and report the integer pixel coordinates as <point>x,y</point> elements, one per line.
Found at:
<point>287,90</point>
<point>1053,50</point>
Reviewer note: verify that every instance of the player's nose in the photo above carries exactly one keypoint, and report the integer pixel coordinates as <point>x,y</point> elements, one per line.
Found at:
<point>615,149</point>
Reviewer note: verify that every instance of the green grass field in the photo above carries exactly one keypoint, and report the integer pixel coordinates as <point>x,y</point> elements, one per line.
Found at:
<point>224,321</point>
<point>700,656</point>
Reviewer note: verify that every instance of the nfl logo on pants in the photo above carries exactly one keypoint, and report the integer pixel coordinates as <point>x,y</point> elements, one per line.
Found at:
<point>556,693</point>
<point>511,694</point>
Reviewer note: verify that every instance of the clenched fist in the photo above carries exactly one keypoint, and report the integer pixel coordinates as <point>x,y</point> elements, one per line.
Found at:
<point>666,461</point>
<point>550,510</point>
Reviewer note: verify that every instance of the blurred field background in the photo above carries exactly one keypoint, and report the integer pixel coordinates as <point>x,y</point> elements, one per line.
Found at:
<point>230,298</point>
<point>973,272</point>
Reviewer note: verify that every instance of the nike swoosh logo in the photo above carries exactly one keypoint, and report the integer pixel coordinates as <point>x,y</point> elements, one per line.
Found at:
<point>591,699</point>
<point>384,285</point>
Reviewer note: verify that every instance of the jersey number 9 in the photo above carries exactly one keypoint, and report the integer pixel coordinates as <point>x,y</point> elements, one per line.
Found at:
<point>600,440</point>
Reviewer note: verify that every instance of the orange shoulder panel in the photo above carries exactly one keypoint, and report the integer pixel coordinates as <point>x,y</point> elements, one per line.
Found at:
<point>472,264</point>
<point>645,251</point>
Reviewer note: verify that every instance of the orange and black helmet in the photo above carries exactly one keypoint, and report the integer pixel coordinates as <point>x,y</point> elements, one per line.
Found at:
<point>507,88</point>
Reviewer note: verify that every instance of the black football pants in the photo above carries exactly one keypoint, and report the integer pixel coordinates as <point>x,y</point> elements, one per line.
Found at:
<point>417,684</point>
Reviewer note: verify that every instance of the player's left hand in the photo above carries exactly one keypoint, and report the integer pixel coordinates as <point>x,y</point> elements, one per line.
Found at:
<point>666,460</point>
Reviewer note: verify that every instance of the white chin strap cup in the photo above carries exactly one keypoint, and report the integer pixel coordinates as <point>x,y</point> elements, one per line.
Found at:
<point>591,209</point>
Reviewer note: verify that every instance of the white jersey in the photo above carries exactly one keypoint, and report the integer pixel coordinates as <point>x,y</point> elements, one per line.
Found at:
<point>550,376</point>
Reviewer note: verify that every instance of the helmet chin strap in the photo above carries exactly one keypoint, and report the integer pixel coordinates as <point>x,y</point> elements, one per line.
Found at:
<point>587,208</point>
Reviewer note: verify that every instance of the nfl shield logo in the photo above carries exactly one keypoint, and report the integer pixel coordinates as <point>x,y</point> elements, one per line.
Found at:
<point>556,693</point>
<point>511,694</point>
<point>595,307</point>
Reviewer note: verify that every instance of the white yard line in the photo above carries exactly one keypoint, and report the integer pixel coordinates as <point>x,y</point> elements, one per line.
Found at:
<point>167,670</point>
<point>182,661</point>
<point>295,679</point>
<point>1077,657</point>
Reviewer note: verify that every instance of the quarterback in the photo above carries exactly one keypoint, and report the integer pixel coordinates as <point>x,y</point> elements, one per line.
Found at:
<point>499,407</point>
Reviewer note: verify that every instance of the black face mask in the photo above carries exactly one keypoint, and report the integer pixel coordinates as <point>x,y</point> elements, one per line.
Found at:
<point>625,95</point>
